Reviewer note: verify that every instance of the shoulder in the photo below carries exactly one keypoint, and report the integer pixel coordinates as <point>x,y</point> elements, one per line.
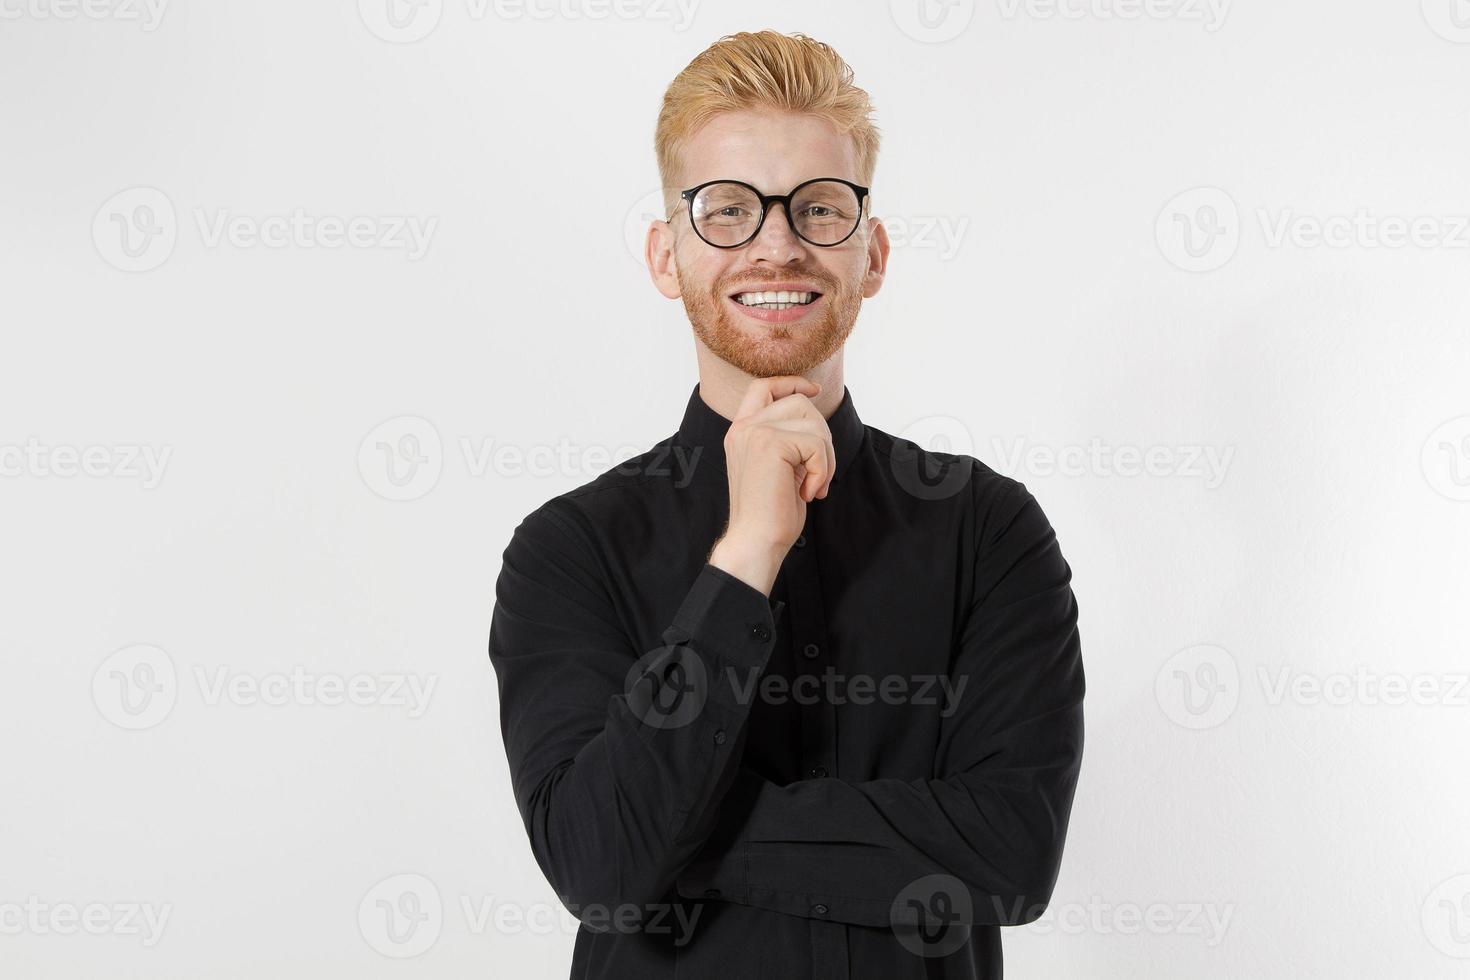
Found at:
<point>937,475</point>
<point>625,488</point>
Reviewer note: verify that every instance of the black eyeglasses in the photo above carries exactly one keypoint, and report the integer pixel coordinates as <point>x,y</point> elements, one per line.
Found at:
<point>824,211</point>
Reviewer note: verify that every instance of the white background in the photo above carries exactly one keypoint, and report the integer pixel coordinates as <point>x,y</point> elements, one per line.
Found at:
<point>1104,245</point>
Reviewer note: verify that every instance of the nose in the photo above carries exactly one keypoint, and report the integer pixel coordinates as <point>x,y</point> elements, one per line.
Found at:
<point>777,240</point>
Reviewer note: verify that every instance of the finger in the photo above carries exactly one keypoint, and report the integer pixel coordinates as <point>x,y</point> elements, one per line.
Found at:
<point>761,392</point>
<point>793,410</point>
<point>808,461</point>
<point>814,427</point>
<point>796,413</point>
<point>808,451</point>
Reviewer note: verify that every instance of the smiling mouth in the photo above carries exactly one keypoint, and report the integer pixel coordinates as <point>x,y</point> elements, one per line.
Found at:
<point>776,299</point>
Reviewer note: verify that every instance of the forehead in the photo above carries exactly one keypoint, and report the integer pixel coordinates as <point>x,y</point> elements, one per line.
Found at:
<point>771,148</point>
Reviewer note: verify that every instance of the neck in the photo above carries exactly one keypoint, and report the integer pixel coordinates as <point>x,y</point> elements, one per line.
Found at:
<point>722,385</point>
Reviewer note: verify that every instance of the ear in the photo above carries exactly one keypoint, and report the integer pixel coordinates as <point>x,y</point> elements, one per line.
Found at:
<point>877,257</point>
<point>663,264</point>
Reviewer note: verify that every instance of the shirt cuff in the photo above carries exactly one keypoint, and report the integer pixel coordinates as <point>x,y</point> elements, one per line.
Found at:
<point>724,615</point>
<point>720,876</point>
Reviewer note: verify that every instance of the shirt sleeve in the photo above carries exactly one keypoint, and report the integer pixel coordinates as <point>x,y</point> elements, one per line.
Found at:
<point>618,756</point>
<point>992,822</point>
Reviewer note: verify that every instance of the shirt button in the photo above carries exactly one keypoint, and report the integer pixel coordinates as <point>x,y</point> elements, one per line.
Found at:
<point>819,909</point>
<point>811,651</point>
<point>720,737</point>
<point>819,772</point>
<point>801,540</point>
<point>760,633</point>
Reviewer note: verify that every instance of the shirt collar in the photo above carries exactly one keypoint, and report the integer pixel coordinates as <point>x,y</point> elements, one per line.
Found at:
<point>704,429</point>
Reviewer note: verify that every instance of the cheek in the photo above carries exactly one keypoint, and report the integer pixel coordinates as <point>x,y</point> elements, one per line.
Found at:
<point>694,276</point>
<point>847,269</point>
<point>709,275</point>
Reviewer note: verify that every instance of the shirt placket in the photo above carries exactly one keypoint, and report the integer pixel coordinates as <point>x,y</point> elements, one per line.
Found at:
<point>812,660</point>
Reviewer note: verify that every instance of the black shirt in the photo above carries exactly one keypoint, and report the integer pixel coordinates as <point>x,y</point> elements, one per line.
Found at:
<point>862,776</point>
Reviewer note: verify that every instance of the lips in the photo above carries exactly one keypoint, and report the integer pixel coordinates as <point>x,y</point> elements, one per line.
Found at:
<point>774,315</point>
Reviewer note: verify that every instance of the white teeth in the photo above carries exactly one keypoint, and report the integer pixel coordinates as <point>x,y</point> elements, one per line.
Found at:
<point>769,297</point>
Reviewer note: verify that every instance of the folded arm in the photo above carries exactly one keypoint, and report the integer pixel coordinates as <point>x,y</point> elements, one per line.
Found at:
<point>617,772</point>
<point>994,817</point>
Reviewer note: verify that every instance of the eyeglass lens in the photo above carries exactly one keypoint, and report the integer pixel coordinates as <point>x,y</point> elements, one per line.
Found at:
<point>824,212</point>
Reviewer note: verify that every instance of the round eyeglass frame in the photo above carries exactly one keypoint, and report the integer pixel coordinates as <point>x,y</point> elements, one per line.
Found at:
<point>766,201</point>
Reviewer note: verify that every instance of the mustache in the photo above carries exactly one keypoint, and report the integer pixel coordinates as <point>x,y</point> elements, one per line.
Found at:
<point>826,282</point>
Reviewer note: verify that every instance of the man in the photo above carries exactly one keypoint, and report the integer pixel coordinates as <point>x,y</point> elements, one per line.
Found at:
<point>786,696</point>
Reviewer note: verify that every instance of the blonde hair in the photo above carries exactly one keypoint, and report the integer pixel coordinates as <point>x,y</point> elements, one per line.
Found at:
<point>763,69</point>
